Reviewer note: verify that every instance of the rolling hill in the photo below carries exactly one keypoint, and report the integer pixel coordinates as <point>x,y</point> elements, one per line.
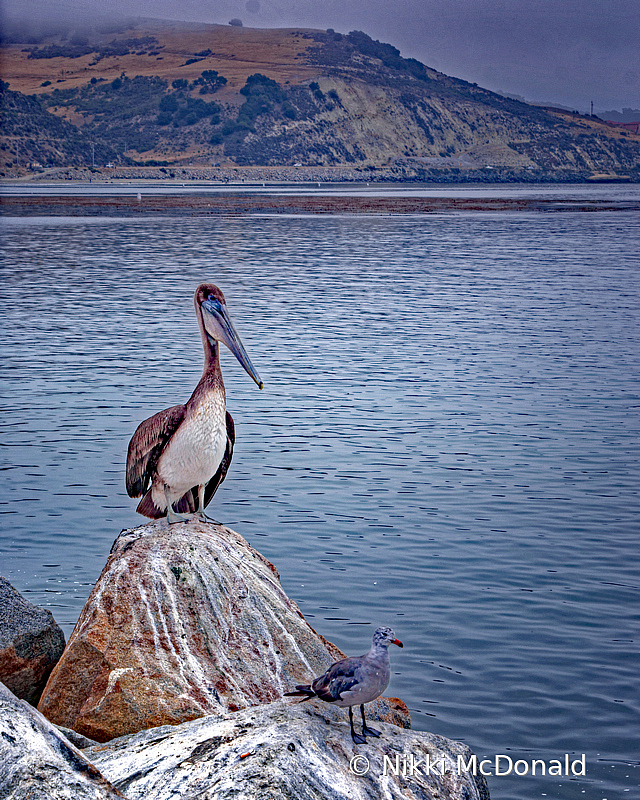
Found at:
<point>159,93</point>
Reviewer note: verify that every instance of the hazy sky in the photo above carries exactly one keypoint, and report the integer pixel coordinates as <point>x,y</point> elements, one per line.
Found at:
<point>564,51</point>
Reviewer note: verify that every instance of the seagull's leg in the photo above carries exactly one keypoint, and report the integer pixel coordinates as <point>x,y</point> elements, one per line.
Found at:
<point>172,516</point>
<point>366,730</point>
<point>357,739</point>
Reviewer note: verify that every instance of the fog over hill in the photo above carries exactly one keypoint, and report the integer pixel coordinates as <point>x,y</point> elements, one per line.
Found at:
<point>566,53</point>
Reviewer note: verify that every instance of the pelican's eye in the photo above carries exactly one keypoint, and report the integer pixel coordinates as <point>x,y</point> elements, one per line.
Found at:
<point>212,303</point>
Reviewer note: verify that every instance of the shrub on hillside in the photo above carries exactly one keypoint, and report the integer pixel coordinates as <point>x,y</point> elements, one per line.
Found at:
<point>210,81</point>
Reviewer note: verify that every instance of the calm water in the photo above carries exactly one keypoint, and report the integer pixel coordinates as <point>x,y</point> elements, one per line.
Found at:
<point>447,442</point>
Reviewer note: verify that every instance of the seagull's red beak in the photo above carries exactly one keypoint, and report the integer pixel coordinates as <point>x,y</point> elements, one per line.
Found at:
<point>398,642</point>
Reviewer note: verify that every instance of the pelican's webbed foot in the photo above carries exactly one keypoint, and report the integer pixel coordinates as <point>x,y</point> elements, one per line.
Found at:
<point>200,515</point>
<point>173,517</point>
<point>200,512</point>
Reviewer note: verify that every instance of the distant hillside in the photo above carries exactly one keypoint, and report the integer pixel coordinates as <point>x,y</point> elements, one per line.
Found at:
<point>30,135</point>
<point>176,93</point>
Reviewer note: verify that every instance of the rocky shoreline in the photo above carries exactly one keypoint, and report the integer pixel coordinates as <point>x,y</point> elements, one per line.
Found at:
<point>401,171</point>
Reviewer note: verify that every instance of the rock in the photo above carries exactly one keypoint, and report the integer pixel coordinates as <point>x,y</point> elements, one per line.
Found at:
<point>185,620</point>
<point>30,644</point>
<point>38,763</point>
<point>77,739</point>
<point>282,751</point>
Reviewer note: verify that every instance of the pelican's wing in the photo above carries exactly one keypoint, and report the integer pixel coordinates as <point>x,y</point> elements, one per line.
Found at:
<point>340,677</point>
<point>212,486</point>
<point>146,446</point>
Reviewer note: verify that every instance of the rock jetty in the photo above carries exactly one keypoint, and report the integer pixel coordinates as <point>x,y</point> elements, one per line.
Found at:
<point>185,620</point>
<point>172,684</point>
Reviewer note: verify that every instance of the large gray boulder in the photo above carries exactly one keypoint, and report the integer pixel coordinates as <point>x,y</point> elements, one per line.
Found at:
<point>285,751</point>
<point>185,620</point>
<point>30,644</point>
<point>38,763</point>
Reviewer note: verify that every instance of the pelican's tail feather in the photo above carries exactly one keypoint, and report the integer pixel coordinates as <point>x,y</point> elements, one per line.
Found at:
<point>156,507</point>
<point>148,508</point>
<point>187,503</point>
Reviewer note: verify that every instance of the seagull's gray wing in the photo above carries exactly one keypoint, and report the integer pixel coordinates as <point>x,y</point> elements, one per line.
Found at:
<point>340,677</point>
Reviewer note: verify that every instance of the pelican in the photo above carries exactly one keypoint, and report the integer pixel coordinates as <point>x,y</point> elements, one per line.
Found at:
<point>178,457</point>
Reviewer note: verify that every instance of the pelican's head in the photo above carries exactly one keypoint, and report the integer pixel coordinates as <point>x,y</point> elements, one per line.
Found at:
<point>217,325</point>
<point>385,636</point>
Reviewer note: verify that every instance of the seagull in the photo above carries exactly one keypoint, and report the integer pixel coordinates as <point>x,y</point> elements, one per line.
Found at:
<point>178,457</point>
<point>355,681</point>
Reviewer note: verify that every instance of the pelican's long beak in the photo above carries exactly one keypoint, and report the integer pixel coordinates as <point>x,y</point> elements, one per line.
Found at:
<point>218,326</point>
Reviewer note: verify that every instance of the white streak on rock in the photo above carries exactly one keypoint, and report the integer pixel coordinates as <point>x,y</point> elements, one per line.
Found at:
<point>113,677</point>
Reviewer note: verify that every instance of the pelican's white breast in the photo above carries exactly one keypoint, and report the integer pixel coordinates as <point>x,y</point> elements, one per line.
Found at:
<point>195,450</point>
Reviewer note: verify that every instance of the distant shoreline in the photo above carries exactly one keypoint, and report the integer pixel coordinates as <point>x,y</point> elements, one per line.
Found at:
<point>227,203</point>
<point>409,171</point>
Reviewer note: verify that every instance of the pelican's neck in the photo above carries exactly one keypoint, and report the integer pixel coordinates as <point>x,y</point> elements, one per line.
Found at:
<point>211,374</point>
<point>211,356</point>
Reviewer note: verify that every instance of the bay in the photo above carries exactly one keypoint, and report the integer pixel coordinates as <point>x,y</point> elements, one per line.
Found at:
<point>447,442</point>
